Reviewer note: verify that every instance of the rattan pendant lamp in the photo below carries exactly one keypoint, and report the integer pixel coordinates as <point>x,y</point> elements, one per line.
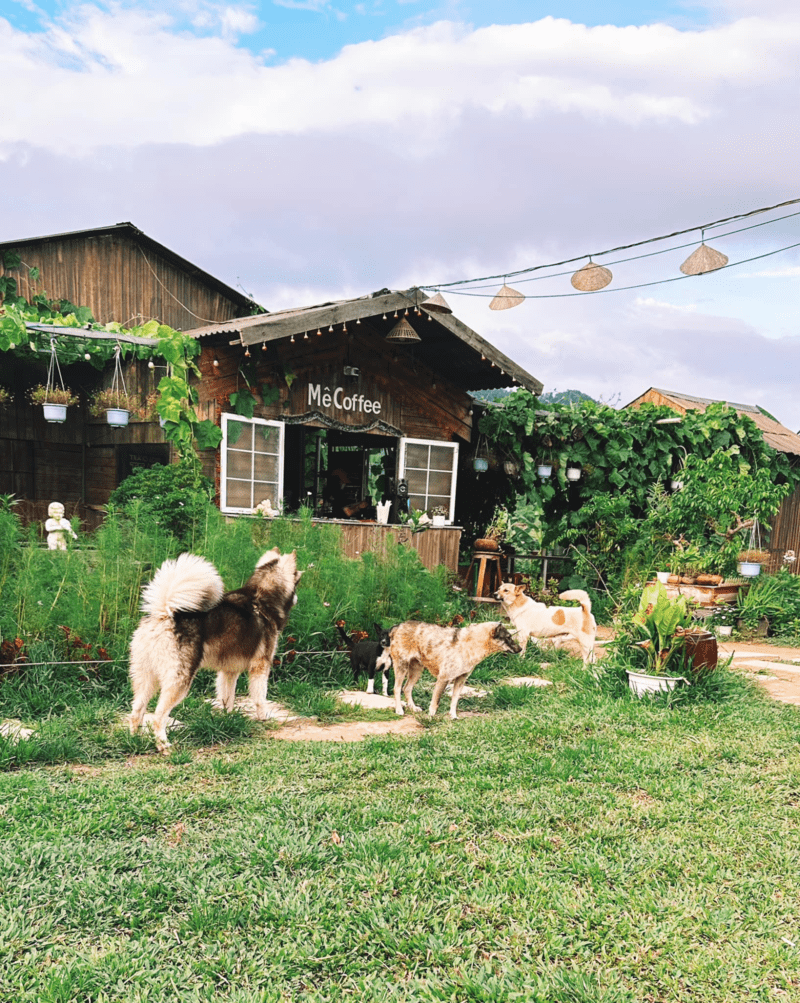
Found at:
<point>704,259</point>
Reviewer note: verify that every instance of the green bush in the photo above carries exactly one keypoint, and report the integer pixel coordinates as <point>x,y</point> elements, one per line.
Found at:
<point>176,497</point>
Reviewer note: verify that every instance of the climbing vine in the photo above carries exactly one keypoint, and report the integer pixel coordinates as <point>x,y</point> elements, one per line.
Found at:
<point>628,459</point>
<point>176,398</point>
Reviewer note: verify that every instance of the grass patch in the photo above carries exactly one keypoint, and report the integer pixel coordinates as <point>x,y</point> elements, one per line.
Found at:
<point>575,844</point>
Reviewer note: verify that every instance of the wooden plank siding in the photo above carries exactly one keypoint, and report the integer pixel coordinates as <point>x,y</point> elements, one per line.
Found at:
<point>122,277</point>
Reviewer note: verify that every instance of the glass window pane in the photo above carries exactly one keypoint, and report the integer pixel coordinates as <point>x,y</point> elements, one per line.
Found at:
<point>439,483</point>
<point>441,458</point>
<point>417,501</point>
<point>240,434</point>
<point>416,455</point>
<point>417,481</point>
<point>239,494</point>
<point>239,464</point>
<point>266,467</point>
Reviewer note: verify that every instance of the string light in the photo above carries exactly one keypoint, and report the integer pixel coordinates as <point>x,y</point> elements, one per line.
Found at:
<point>344,328</point>
<point>305,336</point>
<point>215,363</point>
<point>292,339</point>
<point>330,329</point>
<point>247,352</point>
<point>319,332</point>
<point>263,346</point>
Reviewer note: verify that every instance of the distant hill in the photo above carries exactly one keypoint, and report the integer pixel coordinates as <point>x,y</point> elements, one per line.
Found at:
<point>552,397</point>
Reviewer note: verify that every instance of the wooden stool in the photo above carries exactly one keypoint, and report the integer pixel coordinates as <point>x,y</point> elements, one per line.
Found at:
<point>490,575</point>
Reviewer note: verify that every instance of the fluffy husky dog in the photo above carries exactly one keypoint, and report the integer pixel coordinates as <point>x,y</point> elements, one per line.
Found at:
<point>192,623</point>
<point>534,619</point>
<point>449,653</point>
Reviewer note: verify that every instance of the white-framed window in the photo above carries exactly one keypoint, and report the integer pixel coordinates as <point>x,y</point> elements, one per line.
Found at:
<point>252,463</point>
<point>430,469</point>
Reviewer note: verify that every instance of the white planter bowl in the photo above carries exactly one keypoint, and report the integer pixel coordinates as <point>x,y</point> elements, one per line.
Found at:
<point>641,683</point>
<point>724,631</point>
<point>117,417</point>
<point>749,570</point>
<point>55,412</point>
<point>662,576</point>
<point>573,473</point>
<point>544,469</point>
<point>439,520</point>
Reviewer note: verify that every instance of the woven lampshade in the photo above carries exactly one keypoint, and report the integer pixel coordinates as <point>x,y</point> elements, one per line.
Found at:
<point>436,303</point>
<point>506,298</point>
<point>403,333</point>
<point>591,277</point>
<point>704,259</point>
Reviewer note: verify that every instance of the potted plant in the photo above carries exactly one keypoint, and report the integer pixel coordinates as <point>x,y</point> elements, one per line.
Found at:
<point>669,642</point>
<point>439,515</point>
<point>54,401</point>
<point>115,404</point>
<point>573,472</point>
<point>5,398</point>
<point>496,531</point>
<point>750,562</point>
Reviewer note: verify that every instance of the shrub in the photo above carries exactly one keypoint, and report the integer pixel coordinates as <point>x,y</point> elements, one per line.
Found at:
<point>176,497</point>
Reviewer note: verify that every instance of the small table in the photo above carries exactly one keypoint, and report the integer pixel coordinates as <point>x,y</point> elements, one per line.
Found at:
<point>490,574</point>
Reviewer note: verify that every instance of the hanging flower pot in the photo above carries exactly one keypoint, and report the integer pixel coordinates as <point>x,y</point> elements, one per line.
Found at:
<point>510,468</point>
<point>117,417</point>
<point>573,473</point>
<point>480,464</point>
<point>54,401</point>
<point>544,469</point>
<point>750,562</point>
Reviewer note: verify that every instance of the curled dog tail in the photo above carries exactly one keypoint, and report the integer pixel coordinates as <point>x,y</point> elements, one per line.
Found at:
<point>578,595</point>
<point>187,584</point>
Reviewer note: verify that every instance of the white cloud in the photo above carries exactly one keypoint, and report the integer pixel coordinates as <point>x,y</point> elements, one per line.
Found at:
<point>129,77</point>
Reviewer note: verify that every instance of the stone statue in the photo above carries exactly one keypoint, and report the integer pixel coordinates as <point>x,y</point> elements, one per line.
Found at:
<point>57,526</point>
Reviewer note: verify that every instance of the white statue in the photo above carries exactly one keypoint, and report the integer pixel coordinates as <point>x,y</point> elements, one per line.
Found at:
<point>57,526</point>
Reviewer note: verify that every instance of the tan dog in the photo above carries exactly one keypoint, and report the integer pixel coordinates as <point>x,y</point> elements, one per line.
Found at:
<point>534,619</point>
<point>449,653</point>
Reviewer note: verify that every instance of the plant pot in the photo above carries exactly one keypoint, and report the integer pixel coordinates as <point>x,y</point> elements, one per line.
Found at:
<point>674,580</point>
<point>55,413</point>
<point>700,650</point>
<point>573,473</point>
<point>480,465</point>
<point>439,520</point>
<point>725,631</point>
<point>117,417</point>
<point>489,545</point>
<point>688,579</point>
<point>642,683</point>
<point>676,485</point>
<point>762,628</point>
<point>662,576</point>
<point>748,569</point>
<point>544,469</point>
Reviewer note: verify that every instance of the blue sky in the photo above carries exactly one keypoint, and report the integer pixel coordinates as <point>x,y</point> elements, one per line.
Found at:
<point>317,29</point>
<point>307,150</point>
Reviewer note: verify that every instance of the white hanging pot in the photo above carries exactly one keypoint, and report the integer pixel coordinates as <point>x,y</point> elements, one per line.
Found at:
<point>573,473</point>
<point>480,464</point>
<point>117,417</point>
<point>676,485</point>
<point>55,413</point>
<point>748,569</point>
<point>544,469</point>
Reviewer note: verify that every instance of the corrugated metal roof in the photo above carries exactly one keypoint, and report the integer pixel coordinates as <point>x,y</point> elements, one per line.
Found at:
<point>776,435</point>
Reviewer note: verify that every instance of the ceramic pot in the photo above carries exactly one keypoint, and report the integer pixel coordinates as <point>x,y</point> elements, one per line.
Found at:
<point>544,469</point>
<point>662,576</point>
<point>724,631</point>
<point>55,413</point>
<point>439,520</point>
<point>573,473</point>
<point>487,545</point>
<point>641,683</point>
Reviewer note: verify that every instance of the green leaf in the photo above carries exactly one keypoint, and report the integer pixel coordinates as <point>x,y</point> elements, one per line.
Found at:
<point>243,402</point>
<point>208,435</point>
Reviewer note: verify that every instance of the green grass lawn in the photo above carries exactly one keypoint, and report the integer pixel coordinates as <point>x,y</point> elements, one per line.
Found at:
<point>567,844</point>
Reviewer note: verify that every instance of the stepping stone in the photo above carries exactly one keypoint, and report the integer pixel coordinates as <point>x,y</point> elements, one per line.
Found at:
<point>371,701</point>
<point>468,692</point>
<point>527,681</point>
<point>14,730</point>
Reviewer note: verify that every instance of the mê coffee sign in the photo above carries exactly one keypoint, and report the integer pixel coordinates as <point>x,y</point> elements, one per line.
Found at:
<point>342,402</point>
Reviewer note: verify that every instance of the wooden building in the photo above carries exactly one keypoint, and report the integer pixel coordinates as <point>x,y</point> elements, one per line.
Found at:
<point>122,275</point>
<point>785,531</point>
<point>374,388</point>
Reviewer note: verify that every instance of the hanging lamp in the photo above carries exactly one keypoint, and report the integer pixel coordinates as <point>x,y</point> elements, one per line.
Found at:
<point>403,333</point>
<point>437,303</point>
<point>591,277</point>
<point>704,259</point>
<point>506,298</point>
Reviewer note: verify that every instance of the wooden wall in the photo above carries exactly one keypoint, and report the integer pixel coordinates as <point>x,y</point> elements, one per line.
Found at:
<point>125,279</point>
<point>785,533</point>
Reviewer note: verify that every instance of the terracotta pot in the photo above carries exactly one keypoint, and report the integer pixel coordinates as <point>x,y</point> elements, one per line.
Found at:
<point>674,580</point>
<point>486,545</point>
<point>688,579</point>
<point>709,579</point>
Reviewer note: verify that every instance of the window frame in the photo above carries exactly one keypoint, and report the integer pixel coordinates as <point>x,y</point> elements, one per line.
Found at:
<point>405,442</point>
<point>223,487</point>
